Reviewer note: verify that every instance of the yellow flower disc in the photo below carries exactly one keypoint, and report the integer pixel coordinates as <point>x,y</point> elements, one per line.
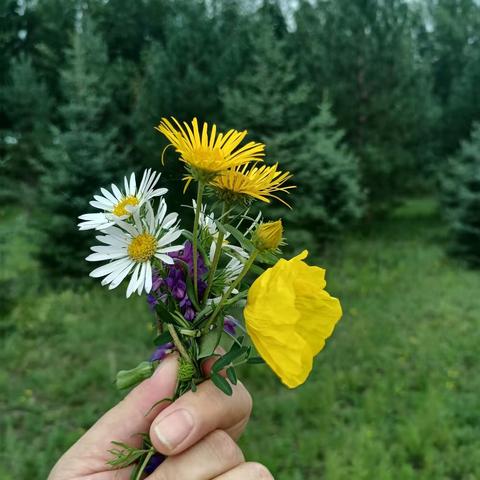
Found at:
<point>120,208</point>
<point>289,316</point>
<point>142,247</point>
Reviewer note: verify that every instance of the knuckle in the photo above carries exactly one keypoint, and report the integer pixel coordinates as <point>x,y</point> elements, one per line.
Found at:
<point>259,472</point>
<point>224,448</point>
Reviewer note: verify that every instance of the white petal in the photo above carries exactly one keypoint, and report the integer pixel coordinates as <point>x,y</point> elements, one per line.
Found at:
<point>132,285</point>
<point>165,258</point>
<point>100,206</point>
<point>148,278</point>
<point>133,184</point>
<point>145,175</point>
<point>108,195</point>
<point>174,248</point>
<point>170,237</point>
<point>99,257</point>
<point>141,279</point>
<point>169,220</point>
<point>103,200</point>
<point>120,275</point>
<point>107,268</point>
<point>117,192</point>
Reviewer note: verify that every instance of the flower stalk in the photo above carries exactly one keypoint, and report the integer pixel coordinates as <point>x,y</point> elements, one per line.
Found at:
<point>201,187</point>
<point>228,292</point>
<point>216,255</point>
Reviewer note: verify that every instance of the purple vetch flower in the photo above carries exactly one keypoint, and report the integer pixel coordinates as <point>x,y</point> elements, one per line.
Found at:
<point>155,461</point>
<point>175,281</point>
<point>161,352</point>
<point>230,325</point>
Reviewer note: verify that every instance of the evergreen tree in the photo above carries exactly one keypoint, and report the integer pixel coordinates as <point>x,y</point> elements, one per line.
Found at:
<point>367,57</point>
<point>82,156</point>
<point>452,51</point>
<point>201,50</point>
<point>26,104</point>
<point>464,104</point>
<point>268,98</point>
<point>461,198</point>
<point>328,197</point>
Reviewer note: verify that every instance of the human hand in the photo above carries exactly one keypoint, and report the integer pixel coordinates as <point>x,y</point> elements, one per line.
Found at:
<point>197,432</point>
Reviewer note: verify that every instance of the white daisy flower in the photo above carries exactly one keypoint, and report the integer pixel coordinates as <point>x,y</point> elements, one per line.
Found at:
<point>130,248</point>
<point>120,205</point>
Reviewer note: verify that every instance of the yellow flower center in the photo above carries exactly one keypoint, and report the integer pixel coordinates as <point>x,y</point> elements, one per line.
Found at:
<point>207,159</point>
<point>142,248</point>
<point>120,208</point>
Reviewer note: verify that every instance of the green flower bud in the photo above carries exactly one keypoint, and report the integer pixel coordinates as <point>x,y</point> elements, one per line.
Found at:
<point>130,378</point>
<point>186,370</point>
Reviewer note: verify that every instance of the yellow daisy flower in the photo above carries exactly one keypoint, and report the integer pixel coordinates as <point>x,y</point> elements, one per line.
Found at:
<point>255,182</point>
<point>289,316</point>
<point>207,154</point>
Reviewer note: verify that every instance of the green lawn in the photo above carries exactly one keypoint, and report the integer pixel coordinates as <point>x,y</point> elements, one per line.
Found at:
<point>395,395</point>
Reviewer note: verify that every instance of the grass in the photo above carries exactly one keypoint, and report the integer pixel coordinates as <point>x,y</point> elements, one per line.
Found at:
<point>395,394</point>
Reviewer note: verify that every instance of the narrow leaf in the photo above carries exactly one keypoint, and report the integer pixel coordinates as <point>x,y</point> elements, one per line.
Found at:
<point>221,383</point>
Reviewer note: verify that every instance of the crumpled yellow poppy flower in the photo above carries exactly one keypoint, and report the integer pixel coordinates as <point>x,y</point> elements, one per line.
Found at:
<point>289,316</point>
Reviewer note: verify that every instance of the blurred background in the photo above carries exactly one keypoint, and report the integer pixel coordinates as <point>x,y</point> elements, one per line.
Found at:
<point>370,103</point>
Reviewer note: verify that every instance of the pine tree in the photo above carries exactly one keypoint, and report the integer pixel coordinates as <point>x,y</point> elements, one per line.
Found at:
<point>461,198</point>
<point>268,98</point>
<point>82,157</point>
<point>27,105</point>
<point>365,53</point>
<point>328,197</point>
<point>464,103</point>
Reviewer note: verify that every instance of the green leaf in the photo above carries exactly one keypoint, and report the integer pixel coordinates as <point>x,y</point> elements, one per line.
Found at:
<point>209,342</point>
<point>255,360</point>
<point>165,315</point>
<point>237,234</point>
<point>194,387</point>
<point>231,374</point>
<point>221,383</point>
<point>191,293</point>
<point>164,337</point>
<point>235,352</point>
<point>267,257</point>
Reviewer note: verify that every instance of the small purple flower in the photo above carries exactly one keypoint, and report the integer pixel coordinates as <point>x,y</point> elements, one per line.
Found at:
<point>230,325</point>
<point>175,281</point>
<point>154,462</point>
<point>161,352</point>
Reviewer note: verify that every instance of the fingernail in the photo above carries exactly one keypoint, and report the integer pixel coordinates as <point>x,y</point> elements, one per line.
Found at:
<point>172,430</point>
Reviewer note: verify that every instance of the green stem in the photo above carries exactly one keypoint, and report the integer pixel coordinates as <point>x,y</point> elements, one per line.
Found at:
<point>232,287</point>
<point>178,343</point>
<point>144,464</point>
<point>216,257</point>
<point>201,186</point>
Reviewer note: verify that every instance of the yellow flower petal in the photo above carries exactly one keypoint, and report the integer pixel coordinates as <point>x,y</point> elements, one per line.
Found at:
<point>289,316</point>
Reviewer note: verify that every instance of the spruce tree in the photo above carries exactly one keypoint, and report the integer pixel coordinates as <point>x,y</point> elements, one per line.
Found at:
<point>82,157</point>
<point>461,198</point>
<point>27,106</point>
<point>329,196</point>
<point>365,53</point>
<point>269,99</point>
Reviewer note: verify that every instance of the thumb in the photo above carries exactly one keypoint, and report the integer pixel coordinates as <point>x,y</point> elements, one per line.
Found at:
<point>133,415</point>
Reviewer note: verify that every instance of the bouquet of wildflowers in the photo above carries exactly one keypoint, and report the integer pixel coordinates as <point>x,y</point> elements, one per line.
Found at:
<point>200,283</point>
